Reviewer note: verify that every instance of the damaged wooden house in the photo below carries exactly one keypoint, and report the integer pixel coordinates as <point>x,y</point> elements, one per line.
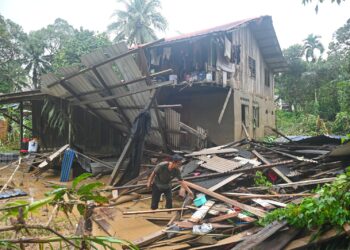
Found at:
<point>225,77</point>
<point>207,87</point>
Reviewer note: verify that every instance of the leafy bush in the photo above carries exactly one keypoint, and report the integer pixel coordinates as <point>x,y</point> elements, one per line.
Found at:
<point>341,125</point>
<point>329,206</point>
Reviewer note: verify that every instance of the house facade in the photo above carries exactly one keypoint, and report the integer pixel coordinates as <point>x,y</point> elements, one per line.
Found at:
<point>225,77</point>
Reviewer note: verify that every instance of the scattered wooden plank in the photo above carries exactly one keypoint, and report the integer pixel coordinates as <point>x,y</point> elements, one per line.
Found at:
<point>201,212</point>
<point>279,241</point>
<point>259,237</point>
<point>276,203</point>
<point>155,211</point>
<point>147,239</point>
<point>53,156</point>
<point>223,217</point>
<point>230,240</point>
<point>306,241</point>
<point>224,182</point>
<point>220,197</point>
<point>172,241</point>
<point>264,204</point>
<point>253,196</point>
<point>245,218</point>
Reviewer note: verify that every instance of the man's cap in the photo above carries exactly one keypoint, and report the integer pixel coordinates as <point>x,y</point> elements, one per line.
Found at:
<point>176,157</point>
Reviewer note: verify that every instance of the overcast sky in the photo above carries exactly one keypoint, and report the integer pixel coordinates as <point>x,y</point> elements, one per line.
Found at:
<point>292,20</point>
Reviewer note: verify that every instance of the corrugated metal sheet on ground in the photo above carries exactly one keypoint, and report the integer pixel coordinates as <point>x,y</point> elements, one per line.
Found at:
<point>12,193</point>
<point>219,164</point>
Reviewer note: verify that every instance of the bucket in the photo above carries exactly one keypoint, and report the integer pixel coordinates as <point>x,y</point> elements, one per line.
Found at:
<point>200,200</point>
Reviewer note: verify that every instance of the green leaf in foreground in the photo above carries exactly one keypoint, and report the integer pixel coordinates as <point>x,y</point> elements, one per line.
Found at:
<point>80,178</point>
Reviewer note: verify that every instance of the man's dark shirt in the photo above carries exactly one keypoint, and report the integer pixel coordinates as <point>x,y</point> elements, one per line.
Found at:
<point>164,176</point>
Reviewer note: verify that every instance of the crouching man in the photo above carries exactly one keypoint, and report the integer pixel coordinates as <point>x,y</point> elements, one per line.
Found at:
<point>160,181</point>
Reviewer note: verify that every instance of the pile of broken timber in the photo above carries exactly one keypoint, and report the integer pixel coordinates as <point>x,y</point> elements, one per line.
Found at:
<point>226,175</point>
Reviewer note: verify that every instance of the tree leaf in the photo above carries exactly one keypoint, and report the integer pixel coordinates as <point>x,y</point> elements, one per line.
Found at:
<point>37,204</point>
<point>87,188</point>
<point>80,178</point>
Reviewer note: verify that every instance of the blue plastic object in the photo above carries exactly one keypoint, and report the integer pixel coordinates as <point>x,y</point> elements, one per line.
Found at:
<point>67,164</point>
<point>200,200</point>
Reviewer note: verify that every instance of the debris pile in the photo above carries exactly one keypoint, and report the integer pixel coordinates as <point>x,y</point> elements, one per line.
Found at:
<point>236,184</point>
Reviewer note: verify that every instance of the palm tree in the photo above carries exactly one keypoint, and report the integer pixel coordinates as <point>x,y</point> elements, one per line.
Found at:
<point>312,43</point>
<point>37,61</point>
<point>138,22</point>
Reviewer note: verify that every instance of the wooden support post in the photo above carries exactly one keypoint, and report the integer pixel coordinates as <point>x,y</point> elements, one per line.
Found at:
<point>21,122</point>
<point>120,161</point>
<point>125,152</point>
<point>70,120</point>
<point>229,94</point>
<point>160,122</point>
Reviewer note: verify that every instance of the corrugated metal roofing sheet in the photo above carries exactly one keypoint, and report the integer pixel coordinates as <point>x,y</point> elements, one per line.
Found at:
<point>116,72</point>
<point>219,164</point>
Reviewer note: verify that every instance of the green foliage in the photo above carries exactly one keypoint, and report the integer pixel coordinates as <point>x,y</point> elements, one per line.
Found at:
<point>138,22</point>
<point>261,180</point>
<point>298,123</point>
<point>77,44</point>
<point>269,138</point>
<point>26,207</point>
<point>320,1</point>
<point>79,179</point>
<point>56,112</point>
<point>330,206</point>
<point>66,199</point>
<point>12,39</point>
<point>341,125</point>
<point>346,139</point>
<point>80,193</point>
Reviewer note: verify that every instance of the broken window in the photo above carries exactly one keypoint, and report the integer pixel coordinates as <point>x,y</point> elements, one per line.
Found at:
<point>256,117</point>
<point>245,114</point>
<point>267,78</point>
<point>252,67</point>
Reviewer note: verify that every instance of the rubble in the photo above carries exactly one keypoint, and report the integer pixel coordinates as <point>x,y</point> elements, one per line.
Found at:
<point>234,201</point>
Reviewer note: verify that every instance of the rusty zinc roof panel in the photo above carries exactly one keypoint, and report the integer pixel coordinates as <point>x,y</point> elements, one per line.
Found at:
<point>219,164</point>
